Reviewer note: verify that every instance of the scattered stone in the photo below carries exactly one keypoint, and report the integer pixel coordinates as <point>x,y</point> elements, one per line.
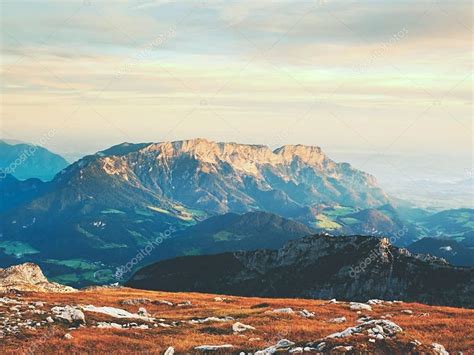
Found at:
<point>321,346</point>
<point>169,351</point>
<point>382,326</point>
<point>67,336</point>
<point>136,302</point>
<point>39,304</point>
<point>439,349</point>
<point>211,319</point>
<point>343,348</point>
<point>338,320</point>
<point>185,304</point>
<point>354,306</point>
<point>116,313</point>
<point>7,300</point>
<point>105,325</point>
<point>284,310</point>
<point>240,327</point>
<point>375,302</point>
<point>407,311</point>
<point>306,314</point>
<point>143,312</point>
<point>168,303</point>
<point>282,345</point>
<point>50,320</point>
<point>205,348</point>
<point>296,351</point>
<point>333,301</point>
<point>69,314</point>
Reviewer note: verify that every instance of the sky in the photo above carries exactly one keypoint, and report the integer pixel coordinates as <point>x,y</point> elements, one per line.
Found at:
<point>386,85</point>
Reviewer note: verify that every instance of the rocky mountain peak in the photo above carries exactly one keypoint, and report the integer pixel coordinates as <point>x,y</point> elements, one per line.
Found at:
<point>312,155</point>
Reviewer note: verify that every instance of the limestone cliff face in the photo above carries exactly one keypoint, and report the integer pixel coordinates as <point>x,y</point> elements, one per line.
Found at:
<point>28,277</point>
<point>230,177</point>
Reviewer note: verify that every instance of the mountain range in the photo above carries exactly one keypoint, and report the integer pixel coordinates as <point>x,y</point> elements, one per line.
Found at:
<point>107,206</point>
<point>99,212</point>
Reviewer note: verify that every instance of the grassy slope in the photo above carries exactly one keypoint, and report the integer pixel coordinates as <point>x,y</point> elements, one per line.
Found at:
<point>447,326</point>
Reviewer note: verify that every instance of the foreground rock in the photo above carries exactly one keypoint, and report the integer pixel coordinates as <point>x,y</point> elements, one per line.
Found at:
<point>282,345</point>
<point>207,348</point>
<point>118,313</point>
<point>28,277</point>
<point>68,314</point>
<point>379,328</point>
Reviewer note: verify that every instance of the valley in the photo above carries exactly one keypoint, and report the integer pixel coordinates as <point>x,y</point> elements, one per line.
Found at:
<point>102,211</point>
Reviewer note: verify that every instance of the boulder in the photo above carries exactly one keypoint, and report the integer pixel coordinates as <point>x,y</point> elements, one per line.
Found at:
<point>206,348</point>
<point>374,327</point>
<point>306,314</point>
<point>28,277</point>
<point>339,320</point>
<point>439,349</point>
<point>354,306</point>
<point>69,315</point>
<point>116,313</point>
<point>240,327</point>
<point>284,310</point>
<point>281,346</point>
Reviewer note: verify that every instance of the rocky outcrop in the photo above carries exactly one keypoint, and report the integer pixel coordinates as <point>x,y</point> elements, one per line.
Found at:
<point>28,277</point>
<point>321,267</point>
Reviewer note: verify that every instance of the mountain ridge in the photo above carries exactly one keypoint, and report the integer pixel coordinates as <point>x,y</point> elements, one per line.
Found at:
<point>318,266</point>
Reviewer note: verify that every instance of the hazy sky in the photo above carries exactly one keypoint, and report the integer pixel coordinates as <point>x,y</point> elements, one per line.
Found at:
<point>376,79</point>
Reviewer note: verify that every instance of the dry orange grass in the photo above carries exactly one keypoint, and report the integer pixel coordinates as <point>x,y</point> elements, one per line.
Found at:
<point>451,327</point>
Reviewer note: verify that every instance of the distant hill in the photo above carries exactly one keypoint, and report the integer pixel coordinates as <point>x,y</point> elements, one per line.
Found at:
<point>233,232</point>
<point>25,161</point>
<point>382,221</point>
<point>449,223</point>
<point>14,192</point>
<point>455,252</point>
